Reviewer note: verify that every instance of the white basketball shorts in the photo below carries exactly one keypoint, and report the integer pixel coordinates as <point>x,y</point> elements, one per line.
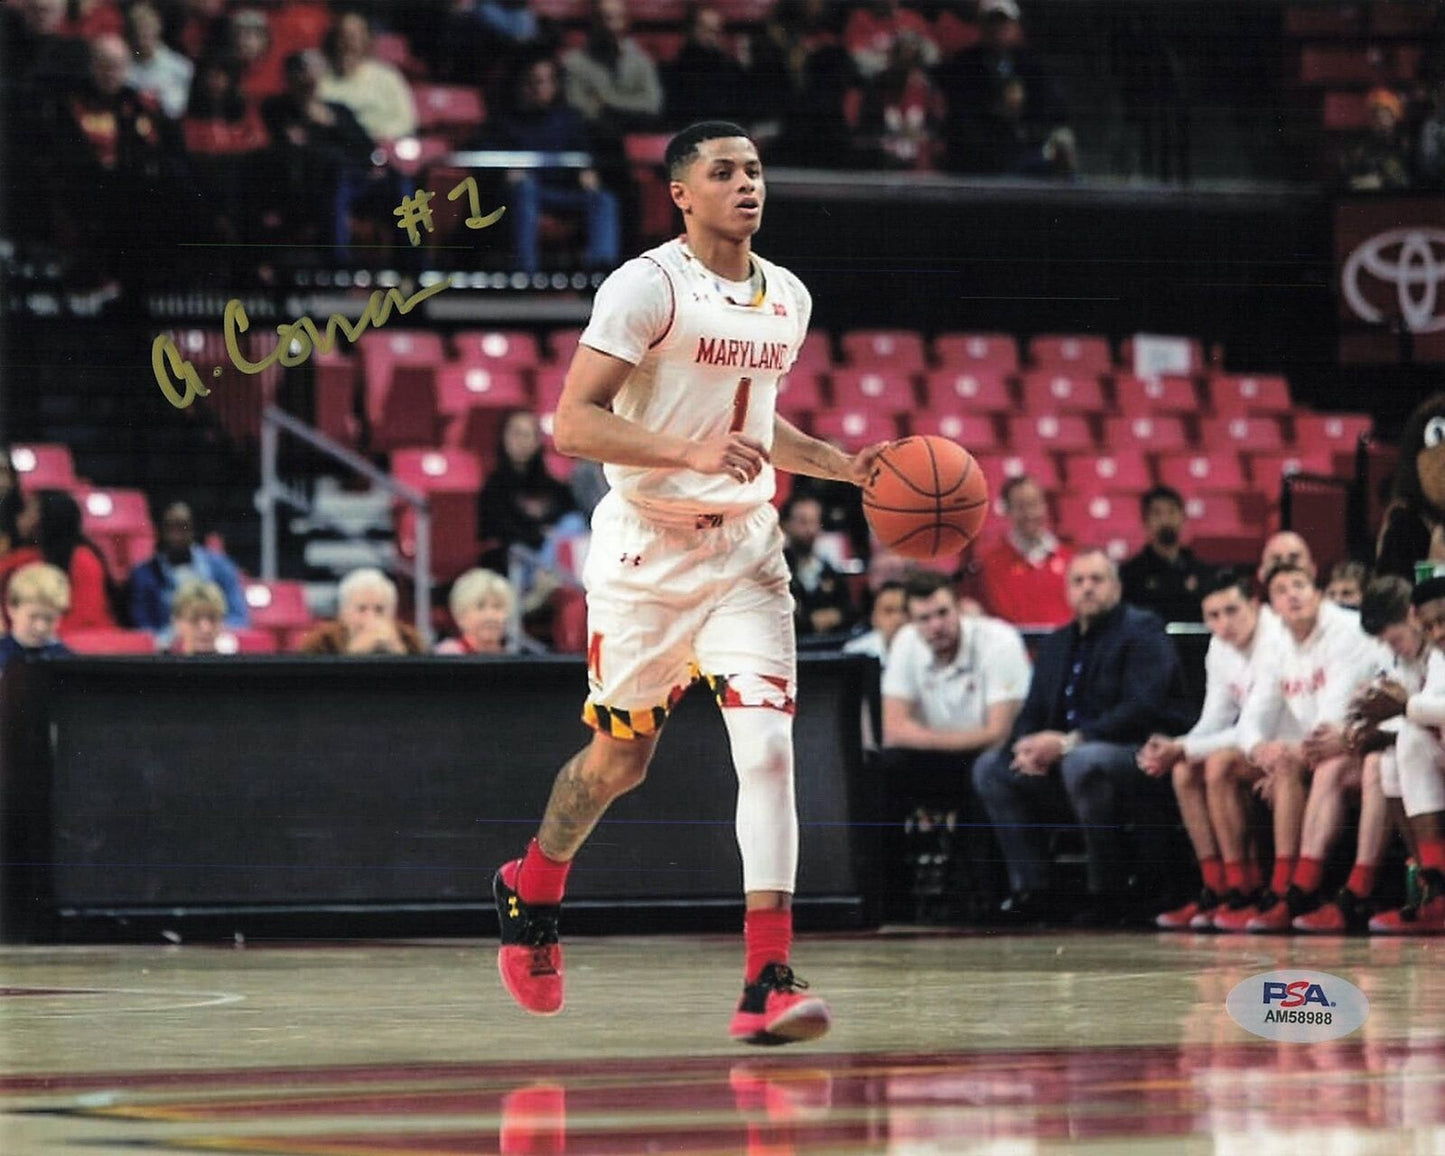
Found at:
<point>671,598</point>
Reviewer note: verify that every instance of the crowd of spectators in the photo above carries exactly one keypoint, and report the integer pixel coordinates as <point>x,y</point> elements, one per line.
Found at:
<point>274,121</point>
<point>1402,145</point>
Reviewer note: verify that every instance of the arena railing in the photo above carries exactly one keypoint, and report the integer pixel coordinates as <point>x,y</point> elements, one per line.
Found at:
<point>274,422</point>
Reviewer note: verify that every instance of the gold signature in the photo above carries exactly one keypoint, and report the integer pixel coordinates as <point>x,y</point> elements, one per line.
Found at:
<point>295,344</point>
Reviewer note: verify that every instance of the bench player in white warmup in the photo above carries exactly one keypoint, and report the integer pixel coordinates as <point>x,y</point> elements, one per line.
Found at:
<point>673,388</point>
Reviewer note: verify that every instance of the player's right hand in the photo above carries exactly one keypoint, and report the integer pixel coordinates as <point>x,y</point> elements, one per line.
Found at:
<point>735,454</point>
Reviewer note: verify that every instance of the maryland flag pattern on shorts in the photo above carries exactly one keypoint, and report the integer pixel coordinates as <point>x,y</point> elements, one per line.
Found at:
<point>763,690</point>
<point>632,724</point>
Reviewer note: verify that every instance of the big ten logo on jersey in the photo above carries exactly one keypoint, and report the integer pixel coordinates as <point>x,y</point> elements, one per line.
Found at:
<point>1296,994</point>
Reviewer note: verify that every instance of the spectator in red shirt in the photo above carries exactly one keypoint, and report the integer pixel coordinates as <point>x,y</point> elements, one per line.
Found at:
<point>874,28</point>
<point>482,605</point>
<point>49,524</point>
<point>227,140</point>
<point>249,43</point>
<point>1022,578</point>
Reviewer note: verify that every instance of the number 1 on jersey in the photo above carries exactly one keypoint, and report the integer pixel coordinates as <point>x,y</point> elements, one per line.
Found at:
<point>740,404</point>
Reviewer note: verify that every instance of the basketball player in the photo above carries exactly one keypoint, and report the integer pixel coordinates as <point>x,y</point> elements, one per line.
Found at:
<point>1206,765</point>
<point>673,387</point>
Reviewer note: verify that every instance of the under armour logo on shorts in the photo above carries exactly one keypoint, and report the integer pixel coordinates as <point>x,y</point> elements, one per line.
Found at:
<point>631,559</point>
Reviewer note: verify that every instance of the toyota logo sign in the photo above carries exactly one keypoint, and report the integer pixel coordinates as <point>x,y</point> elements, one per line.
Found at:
<point>1411,262</point>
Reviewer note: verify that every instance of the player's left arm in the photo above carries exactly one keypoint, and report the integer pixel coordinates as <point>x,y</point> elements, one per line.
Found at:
<point>796,452</point>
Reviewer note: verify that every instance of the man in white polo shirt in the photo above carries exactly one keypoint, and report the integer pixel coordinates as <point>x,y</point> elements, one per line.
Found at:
<point>952,688</point>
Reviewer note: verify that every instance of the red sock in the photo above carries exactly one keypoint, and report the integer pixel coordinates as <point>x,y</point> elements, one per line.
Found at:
<point>769,936</point>
<point>1236,877</point>
<point>1253,875</point>
<point>1279,881</point>
<point>1213,871</point>
<point>537,878</point>
<point>1308,873</point>
<point>1432,854</point>
<point>1362,880</point>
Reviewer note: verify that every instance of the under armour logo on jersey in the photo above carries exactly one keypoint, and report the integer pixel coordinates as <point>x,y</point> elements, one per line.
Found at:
<point>631,559</point>
<point>779,309</point>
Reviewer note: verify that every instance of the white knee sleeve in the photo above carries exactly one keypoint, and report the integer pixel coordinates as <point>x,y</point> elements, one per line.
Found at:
<point>767,818</point>
<point>1421,759</point>
<point>1389,774</point>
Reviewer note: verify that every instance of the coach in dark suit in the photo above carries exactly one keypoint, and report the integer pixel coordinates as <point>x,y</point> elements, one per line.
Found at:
<point>1101,686</point>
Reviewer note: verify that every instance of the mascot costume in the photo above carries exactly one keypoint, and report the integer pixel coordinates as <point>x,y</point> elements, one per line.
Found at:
<point>1414,524</point>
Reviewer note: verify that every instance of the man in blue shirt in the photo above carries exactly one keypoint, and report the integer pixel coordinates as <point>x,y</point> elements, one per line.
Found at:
<point>153,584</point>
<point>1101,686</point>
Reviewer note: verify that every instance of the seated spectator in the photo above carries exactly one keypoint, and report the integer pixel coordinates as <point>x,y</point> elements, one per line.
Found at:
<point>1021,578</point>
<point>874,30</point>
<point>1165,576</point>
<point>197,611</point>
<point>36,598</point>
<point>1101,686</point>
<point>202,27</point>
<point>249,44</point>
<point>888,613</point>
<point>520,502</point>
<point>1346,586</point>
<point>366,622</point>
<point>842,505</point>
<point>226,138</point>
<point>1206,766</point>
<point>1379,159</point>
<point>156,69</point>
<point>952,688</point>
<point>113,149</point>
<point>37,49</point>
<point>899,113</point>
<point>1005,114</point>
<point>375,92</point>
<point>823,604</point>
<point>49,526</point>
<point>482,605</point>
<point>778,52</point>
<point>179,559</point>
<point>322,158</point>
<point>1292,730</point>
<point>92,18</point>
<point>705,81</point>
<point>611,80</point>
<point>539,120</point>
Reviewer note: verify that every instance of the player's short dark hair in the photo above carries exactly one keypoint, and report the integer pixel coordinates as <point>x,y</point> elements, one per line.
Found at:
<point>1356,572</point>
<point>1386,602</point>
<point>925,584</point>
<point>1229,579</point>
<point>1159,494</point>
<point>794,500</point>
<point>1429,590</point>
<point>888,587</point>
<point>1285,567</point>
<point>682,149</point>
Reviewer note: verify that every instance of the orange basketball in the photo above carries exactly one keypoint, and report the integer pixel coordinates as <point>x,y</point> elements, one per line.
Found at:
<point>926,497</point>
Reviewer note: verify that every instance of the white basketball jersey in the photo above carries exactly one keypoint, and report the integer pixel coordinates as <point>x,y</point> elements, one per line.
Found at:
<point>711,364</point>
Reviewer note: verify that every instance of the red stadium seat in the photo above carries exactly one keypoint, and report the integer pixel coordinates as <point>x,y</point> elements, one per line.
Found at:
<point>1340,433</point>
<point>1100,520</point>
<point>1337,65</point>
<point>1401,18</point>
<point>497,348</point>
<point>884,390</point>
<point>110,641</point>
<point>800,392</point>
<point>246,641</point>
<point>563,11</point>
<point>816,354</point>
<point>977,433</point>
<point>43,467</point>
<point>119,522</point>
<point>1000,468</point>
<point>560,466</point>
<point>563,344</point>
<point>1049,392</point>
<point>1067,434</point>
<point>998,352</point>
<point>1214,515</point>
<point>1243,395</point>
<point>451,479</point>
<point>569,621</point>
<point>970,390</point>
<point>1268,471</point>
<point>399,369</point>
<point>1071,353</point>
<point>1253,434</point>
<point>853,428</point>
<point>1126,472</point>
<point>334,398</point>
<point>1219,472</point>
<point>1144,396</point>
<point>662,44</point>
<point>278,607</point>
<point>900,350</point>
<point>461,387</point>
<point>455,111</point>
<point>1160,434</point>
<point>1345,111</point>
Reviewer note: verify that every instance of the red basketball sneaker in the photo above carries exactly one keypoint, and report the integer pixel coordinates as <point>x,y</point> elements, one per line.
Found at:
<point>1234,914</point>
<point>1426,917</point>
<point>1196,913</point>
<point>530,958</point>
<point>1346,914</point>
<point>772,1010</point>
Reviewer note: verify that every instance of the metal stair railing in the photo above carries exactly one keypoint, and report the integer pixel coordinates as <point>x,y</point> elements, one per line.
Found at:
<point>274,422</point>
